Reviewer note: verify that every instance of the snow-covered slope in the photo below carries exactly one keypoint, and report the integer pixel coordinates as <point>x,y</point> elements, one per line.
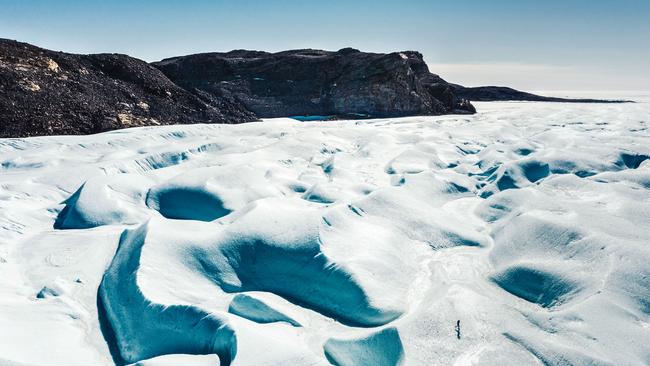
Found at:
<point>518,236</point>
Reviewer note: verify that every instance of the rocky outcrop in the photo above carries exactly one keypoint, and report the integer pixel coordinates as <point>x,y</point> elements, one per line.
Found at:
<point>347,83</point>
<point>502,93</point>
<point>44,92</point>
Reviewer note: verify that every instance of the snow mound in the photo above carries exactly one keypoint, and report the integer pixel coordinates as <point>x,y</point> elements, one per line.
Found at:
<point>383,348</point>
<point>414,161</point>
<point>517,174</point>
<point>117,199</point>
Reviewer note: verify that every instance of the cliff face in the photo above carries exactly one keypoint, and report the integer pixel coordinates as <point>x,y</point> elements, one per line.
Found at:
<point>44,92</point>
<point>347,83</point>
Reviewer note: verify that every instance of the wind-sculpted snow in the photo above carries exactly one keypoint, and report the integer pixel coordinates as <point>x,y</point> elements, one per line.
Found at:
<point>257,310</point>
<point>200,194</point>
<point>545,288</point>
<point>517,236</point>
<point>105,201</point>
<point>383,348</point>
<point>143,328</point>
<point>271,246</point>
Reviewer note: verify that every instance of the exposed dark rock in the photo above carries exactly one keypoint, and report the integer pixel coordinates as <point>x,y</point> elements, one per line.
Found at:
<point>347,83</point>
<point>502,93</point>
<point>44,92</point>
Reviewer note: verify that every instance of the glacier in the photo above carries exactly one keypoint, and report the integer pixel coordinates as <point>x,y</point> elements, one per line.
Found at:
<point>362,242</point>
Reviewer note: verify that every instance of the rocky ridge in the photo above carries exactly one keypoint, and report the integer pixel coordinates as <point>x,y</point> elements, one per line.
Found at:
<point>347,83</point>
<point>43,92</point>
<point>502,93</point>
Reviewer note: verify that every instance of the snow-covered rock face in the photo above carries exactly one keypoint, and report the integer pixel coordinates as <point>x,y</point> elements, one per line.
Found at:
<point>515,236</point>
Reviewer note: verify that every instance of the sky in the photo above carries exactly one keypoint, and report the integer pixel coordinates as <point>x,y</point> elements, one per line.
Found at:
<point>530,45</point>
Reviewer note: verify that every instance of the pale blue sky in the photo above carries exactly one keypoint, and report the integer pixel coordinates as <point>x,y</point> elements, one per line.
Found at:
<point>534,45</point>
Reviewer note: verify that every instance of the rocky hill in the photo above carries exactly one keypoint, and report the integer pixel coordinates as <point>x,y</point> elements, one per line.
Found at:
<point>346,83</point>
<point>44,92</point>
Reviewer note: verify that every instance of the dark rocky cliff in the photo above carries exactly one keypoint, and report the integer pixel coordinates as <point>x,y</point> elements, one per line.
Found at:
<point>44,92</point>
<point>346,83</point>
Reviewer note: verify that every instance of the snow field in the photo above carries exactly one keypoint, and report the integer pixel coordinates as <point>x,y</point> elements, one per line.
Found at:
<point>339,242</point>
